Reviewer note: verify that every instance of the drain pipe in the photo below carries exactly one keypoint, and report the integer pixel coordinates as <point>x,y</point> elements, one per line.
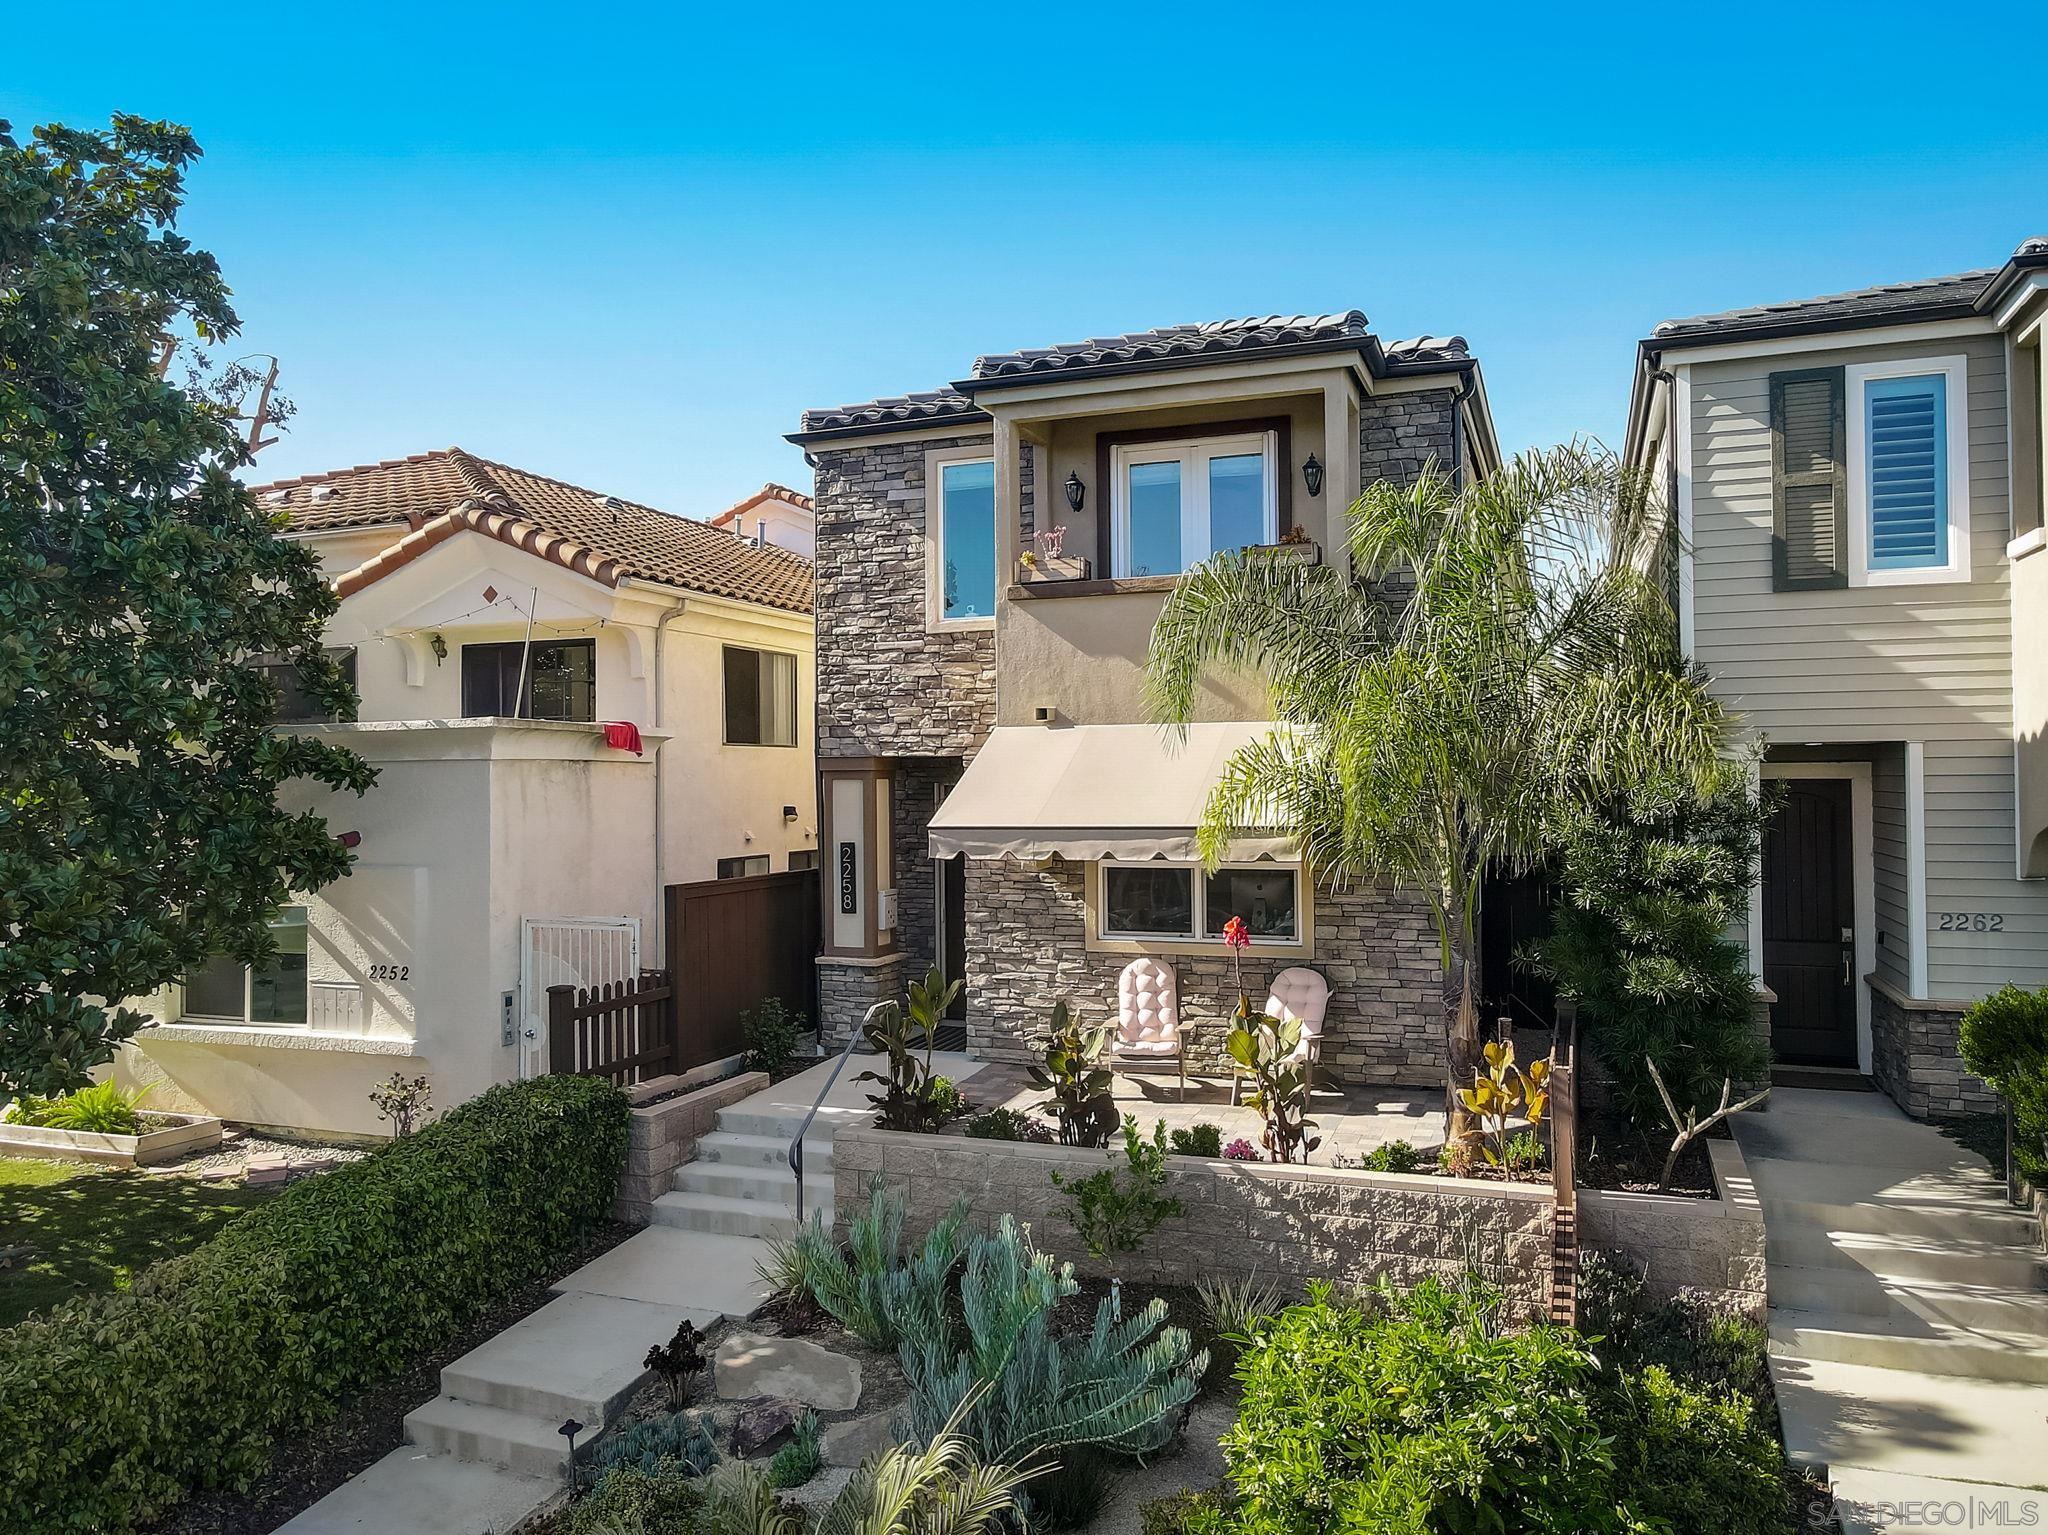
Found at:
<point>660,854</point>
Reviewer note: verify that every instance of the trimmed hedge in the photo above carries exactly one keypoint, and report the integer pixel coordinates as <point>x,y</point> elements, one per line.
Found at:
<point>115,1407</point>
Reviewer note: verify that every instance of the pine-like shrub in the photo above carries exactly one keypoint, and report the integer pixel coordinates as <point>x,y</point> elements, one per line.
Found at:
<point>1652,883</point>
<point>115,1407</point>
<point>2004,1039</point>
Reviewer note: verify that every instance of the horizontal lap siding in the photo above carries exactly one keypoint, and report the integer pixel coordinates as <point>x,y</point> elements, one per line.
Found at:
<point>1876,664</point>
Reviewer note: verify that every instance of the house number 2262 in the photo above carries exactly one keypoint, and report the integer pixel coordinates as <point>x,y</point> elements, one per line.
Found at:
<point>391,972</point>
<point>1972,922</point>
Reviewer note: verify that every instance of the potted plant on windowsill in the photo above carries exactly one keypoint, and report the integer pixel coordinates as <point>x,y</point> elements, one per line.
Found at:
<point>1294,544</point>
<point>1049,562</point>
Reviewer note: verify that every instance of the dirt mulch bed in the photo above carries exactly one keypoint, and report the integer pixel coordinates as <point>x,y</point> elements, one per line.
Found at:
<point>367,1427</point>
<point>1618,1156</point>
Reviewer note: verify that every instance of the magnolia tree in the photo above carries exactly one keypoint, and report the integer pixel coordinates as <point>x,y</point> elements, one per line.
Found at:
<point>1496,652</point>
<point>139,824</point>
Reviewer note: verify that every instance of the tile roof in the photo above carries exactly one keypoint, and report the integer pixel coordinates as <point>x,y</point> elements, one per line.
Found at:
<point>1932,297</point>
<point>769,492</point>
<point>436,495</point>
<point>935,406</point>
<point>1254,333</point>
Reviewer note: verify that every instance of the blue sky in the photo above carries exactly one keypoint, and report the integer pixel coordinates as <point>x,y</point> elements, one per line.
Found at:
<point>627,245</point>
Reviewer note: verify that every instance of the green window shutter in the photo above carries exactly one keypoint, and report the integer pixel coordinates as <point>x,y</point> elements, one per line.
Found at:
<point>1809,481</point>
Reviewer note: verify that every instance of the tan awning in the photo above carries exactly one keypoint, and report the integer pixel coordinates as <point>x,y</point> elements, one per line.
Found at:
<point>1091,791</point>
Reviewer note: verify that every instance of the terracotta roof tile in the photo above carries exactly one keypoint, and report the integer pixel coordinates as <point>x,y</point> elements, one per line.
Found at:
<point>1253,333</point>
<point>769,492</point>
<point>436,495</point>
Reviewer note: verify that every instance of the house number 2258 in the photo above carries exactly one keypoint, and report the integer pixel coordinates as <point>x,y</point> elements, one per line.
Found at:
<point>1972,922</point>
<point>391,972</point>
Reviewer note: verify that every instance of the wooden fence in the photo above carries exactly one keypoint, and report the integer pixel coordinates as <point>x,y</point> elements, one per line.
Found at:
<point>622,1031</point>
<point>732,944</point>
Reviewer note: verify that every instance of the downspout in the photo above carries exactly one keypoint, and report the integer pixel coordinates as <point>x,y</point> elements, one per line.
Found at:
<point>1458,400</point>
<point>660,849</point>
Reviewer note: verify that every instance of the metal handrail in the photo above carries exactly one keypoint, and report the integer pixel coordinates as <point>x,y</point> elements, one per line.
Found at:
<point>796,1147</point>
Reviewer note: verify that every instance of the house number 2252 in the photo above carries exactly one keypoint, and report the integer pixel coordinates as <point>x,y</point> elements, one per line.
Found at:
<point>1972,922</point>
<point>391,972</point>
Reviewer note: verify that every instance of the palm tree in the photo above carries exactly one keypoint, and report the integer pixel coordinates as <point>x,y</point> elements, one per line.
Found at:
<point>1504,650</point>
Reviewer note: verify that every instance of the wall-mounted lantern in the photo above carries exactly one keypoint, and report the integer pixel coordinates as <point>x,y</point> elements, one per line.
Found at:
<point>1312,473</point>
<point>1076,491</point>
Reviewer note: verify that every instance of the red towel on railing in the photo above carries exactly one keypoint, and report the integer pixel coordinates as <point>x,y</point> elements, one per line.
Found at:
<point>622,735</point>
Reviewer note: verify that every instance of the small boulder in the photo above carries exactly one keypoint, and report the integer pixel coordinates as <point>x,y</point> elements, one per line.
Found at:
<point>853,1441</point>
<point>749,1365</point>
<point>760,1423</point>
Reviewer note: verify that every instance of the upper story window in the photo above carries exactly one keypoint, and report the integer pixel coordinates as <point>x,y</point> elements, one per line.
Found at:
<point>295,706</point>
<point>1870,474</point>
<point>1176,503</point>
<point>960,538</point>
<point>229,991</point>
<point>547,680</point>
<point>760,697</point>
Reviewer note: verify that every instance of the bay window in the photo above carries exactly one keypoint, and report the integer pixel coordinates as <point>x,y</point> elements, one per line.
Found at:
<point>1176,503</point>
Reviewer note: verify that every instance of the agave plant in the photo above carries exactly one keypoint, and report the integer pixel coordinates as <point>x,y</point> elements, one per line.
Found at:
<point>943,1489</point>
<point>868,1286</point>
<point>1080,1089</point>
<point>1265,1048</point>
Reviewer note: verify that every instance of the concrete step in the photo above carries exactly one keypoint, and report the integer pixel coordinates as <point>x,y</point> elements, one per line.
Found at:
<point>1992,1308</point>
<point>489,1436</point>
<point>425,1493</point>
<point>1852,1415</point>
<point>579,1356</point>
<point>665,1265</point>
<point>769,1185</point>
<point>782,1122</point>
<point>728,1216</point>
<point>1907,1257</point>
<point>1908,1342</point>
<point>763,1151</point>
<point>1950,1184</point>
<point>1987,1223</point>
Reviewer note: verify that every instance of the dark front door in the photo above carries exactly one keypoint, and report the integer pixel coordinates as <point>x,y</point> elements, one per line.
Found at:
<point>1810,924</point>
<point>953,927</point>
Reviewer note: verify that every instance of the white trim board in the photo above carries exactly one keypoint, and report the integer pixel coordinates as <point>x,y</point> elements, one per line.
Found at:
<point>1830,341</point>
<point>1681,427</point>
<point>1863,877</point>
<point>1916,869</point>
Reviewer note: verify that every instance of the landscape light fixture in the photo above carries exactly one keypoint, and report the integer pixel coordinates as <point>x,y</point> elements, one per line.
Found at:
<point>1076,491</point>
<point>569,1430</point>
<point>1312,472</point>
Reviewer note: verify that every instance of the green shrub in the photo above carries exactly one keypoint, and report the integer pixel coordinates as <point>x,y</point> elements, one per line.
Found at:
<point>675,1440</point>
<point>1394,1157</point>
<point>102,1109</point>
<point>2004,1039</point>
<point>771,1032</point>
<point>1113,1211</point>
<point>115,1407</point>
<point>1197,1141</point>
<point>944,1102</point>
<point>799,1460</point>
<point>1009,1125</point>
<point>1701,1341</point>
<point>1176,1513</point>
<point>629,1501</point>
<point>1699,1461</point>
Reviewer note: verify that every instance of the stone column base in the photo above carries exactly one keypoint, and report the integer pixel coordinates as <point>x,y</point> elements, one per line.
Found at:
<point>847,988</point>
<point>1914,1057</point>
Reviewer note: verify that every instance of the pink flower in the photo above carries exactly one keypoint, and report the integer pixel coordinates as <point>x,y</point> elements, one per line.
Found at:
<point>1241,1150</point>
<point>1236,934</point>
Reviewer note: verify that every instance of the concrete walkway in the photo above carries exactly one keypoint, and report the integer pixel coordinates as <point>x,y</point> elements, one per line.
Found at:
<point>1909,1315</point>
<point>487,1452</point>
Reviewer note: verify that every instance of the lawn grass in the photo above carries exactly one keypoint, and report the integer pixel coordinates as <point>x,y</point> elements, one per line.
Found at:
<point>91,1228</point>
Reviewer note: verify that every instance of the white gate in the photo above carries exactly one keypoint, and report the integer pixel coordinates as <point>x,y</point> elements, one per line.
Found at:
<point>567,951</point>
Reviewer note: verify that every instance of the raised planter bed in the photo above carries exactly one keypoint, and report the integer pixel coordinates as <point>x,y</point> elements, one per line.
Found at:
<point>174,1136</point>
<point>669,1117</point>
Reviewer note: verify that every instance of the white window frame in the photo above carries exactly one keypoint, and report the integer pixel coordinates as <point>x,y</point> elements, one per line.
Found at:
<point>1193,455</point>
<point>935,464</point>
<point>246,1021</point>
<point>1955,370</point>
<point>1103,939</point>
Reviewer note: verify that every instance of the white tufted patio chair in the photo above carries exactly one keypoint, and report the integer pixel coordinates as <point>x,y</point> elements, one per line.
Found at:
<point>1301,994</point>
<point>1148,1020</point>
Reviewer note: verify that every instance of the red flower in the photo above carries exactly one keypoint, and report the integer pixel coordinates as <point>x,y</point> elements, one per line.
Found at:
<point>1236,934</point>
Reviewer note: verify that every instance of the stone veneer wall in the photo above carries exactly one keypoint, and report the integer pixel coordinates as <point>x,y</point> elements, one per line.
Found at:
<point>663,1136</point>
<point>1027,948</point>
<point>847,988</point>
<point>1715,1245</point>
<point>1399,433</point>
<point>1287,1223</point>
<point>1915,1059</point>
<point>886,687</point>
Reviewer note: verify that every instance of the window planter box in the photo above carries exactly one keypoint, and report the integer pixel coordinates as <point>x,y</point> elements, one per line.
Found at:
<point>177,1135</point>
<point>1068,567</point>
<point>1308,551</point>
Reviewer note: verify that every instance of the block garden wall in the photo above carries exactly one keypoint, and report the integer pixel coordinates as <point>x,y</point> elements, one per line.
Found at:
<point>1027,949</point>
<point>1716,1245</point>
<point>1915,1058</point>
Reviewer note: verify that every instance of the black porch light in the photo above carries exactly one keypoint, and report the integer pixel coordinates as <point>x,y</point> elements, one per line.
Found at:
<point>1076,491</point>
<point>1312,472</point>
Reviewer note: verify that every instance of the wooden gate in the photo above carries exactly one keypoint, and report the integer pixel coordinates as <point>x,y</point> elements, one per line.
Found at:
<point>732,943</point>
<point>621,1031</point>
